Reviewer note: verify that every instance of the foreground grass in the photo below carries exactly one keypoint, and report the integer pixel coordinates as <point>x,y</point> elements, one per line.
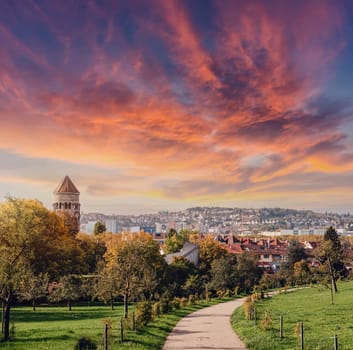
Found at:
<point>56,328</point>
<point>311,306</point>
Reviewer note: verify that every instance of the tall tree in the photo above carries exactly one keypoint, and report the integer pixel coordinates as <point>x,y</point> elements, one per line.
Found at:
<point>331,255</point>
<point>32,240</point>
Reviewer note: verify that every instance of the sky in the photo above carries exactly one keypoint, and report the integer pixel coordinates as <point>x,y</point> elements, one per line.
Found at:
<point>164,105</point>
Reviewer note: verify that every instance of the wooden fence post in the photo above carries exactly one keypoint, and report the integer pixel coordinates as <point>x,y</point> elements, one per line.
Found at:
<point>105,336</point>
<point>281,326</point>
<point>301,335</point>
<point>335,342</point>
<point>121,330</point>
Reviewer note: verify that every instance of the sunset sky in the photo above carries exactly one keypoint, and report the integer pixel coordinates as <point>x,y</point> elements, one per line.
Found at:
<point>163,105</point>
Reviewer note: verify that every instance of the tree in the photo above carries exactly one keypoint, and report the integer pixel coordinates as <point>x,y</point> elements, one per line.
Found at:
<point>33,287</point>
<point>223,272</point>
<point>175,240</point>
<point>331,256</point>
<point>177,274</point>
<point>209,250</point>
<point>295,253</point>
<point>68,289</point>
<point>248,274</point>
<point>32,240</point>
<point>134,262</point>
<point>99,228</point>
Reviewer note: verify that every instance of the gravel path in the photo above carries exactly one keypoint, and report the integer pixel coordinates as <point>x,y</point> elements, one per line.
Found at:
<point>207,328</point>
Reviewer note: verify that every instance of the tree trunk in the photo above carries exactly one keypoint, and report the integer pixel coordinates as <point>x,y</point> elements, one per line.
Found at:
<point>34,304</point>
<point>2,317</point>
<point>332,275</point>
<point>126,305</point>
<point>111,301</point>
<point>6,320</point>
<point>69,304</point>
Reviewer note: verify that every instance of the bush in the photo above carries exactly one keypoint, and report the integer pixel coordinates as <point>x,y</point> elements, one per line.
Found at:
<point>183,302</point>
<point>192,299</point>
<point>164,306</point>
<point>220,294</point>
<point>175,303</point>
<point>85,344</point>
<point>143,313</point>
<point>249,308</point>
<point>156,309</point>
<point>208,296</point>
<point>266,322</point>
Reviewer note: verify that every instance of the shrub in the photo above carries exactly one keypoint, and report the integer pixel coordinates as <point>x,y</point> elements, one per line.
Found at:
<point>266,322</point>
<point>192,299</point>
<point>85,343</point>
<point>156,309</point>
<point>183,302</point>
<point>249,307</point>
<point>164,306</point>
<point>175,303</point>
<point>143,313</point>
<point>220,293</point>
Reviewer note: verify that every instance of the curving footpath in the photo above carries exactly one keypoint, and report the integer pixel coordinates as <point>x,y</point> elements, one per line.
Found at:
<point>207,328</point>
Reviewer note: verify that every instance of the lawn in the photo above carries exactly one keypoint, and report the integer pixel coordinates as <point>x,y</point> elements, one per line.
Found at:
<point>313,307</point>
<point>56,328</point>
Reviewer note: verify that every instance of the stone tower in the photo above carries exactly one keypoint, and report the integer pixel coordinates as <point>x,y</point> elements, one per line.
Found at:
<point>67,203</point>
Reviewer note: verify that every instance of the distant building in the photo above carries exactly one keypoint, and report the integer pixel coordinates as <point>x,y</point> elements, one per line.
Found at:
<point>111,225</point>
<point>67,202</point>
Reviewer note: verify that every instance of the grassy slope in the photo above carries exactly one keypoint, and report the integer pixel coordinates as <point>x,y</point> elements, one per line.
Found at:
<point>56,328</point>
<point>312,306</point>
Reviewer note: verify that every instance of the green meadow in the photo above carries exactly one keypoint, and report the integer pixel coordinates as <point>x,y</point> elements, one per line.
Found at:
<point>313,307</point>
<point>56,328</point>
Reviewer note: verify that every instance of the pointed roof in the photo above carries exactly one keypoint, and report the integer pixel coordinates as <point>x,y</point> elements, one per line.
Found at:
<point>67,186</point>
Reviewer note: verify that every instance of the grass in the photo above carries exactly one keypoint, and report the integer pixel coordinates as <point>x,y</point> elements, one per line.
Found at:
<point>56,328</point>
<point>313,307</point>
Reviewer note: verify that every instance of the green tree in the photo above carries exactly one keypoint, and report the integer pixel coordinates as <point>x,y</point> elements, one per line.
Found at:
<point>295,253</point>
<point>331,256</point>
<point>33,287</point>
<point>248,274</point>
<point>223,272</point>
<point>67,289</point>
<point>99,228</point>
<point>176,275</point>
<point>175,240</point>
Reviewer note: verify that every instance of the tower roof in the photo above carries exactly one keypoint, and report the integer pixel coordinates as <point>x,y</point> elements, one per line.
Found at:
<point>67,186</point>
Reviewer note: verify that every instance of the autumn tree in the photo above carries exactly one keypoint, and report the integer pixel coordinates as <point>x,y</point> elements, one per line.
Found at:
<point>135,265</point>
<point>32,240</point>
<point>209,250</point>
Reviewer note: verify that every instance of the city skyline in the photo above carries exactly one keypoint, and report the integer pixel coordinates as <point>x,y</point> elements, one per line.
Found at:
<point>166,105</point>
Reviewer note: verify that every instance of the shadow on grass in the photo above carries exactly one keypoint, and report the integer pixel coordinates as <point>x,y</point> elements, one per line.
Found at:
<point>51,315</point>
